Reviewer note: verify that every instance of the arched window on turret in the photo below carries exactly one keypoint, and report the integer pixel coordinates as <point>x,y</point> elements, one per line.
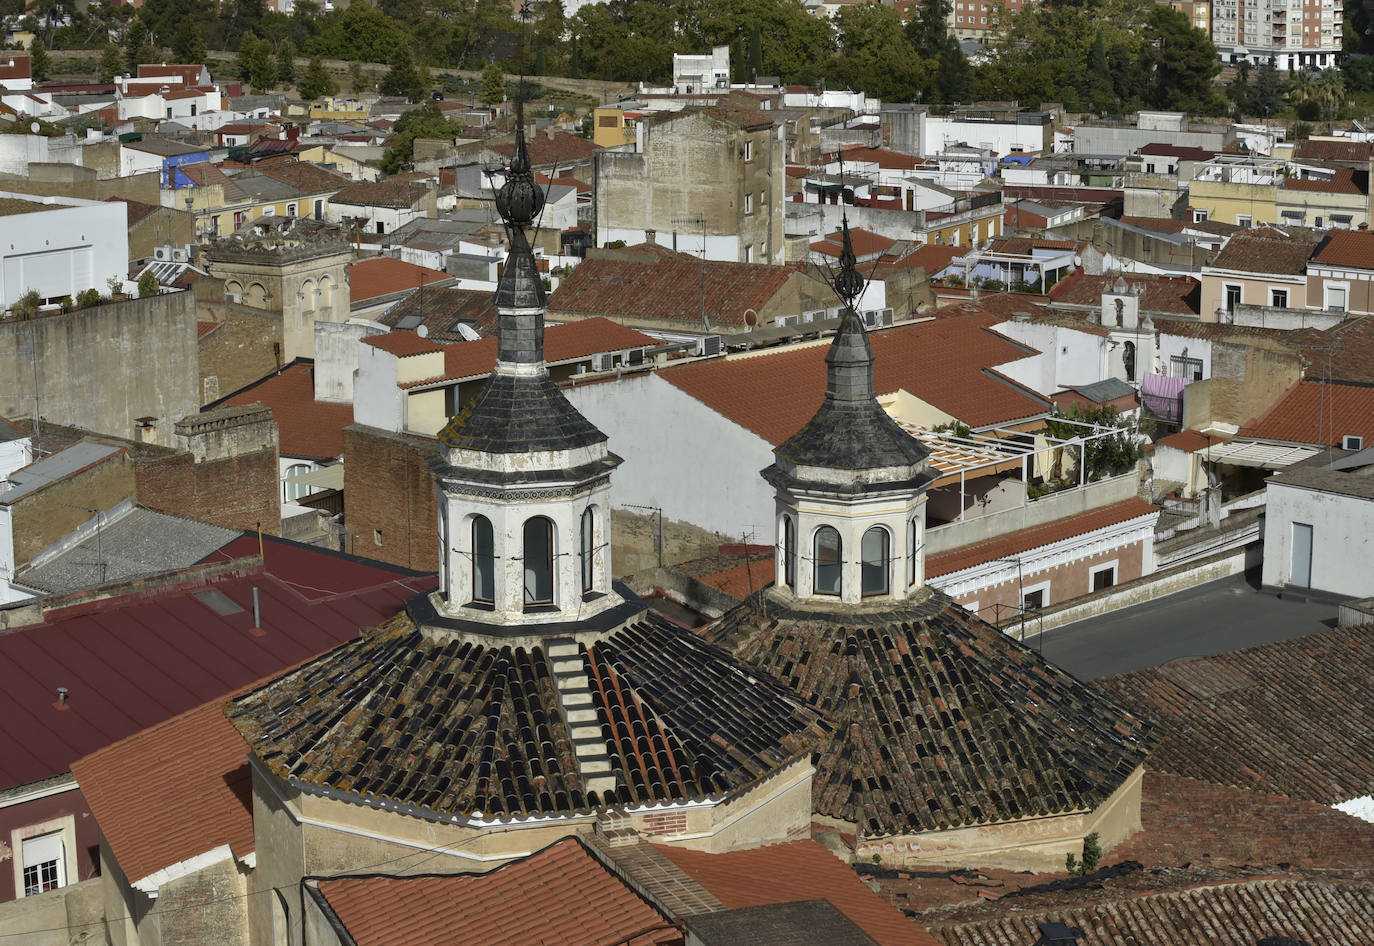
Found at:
<point>912,530</point>
<point>875,552</point>
<point>483,561</point>
<point>538,557</point>
<point>586,551</point>
<point>829,561</point>
<point>789,553</point>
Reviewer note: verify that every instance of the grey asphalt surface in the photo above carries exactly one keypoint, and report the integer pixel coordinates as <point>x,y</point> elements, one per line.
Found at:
<point>1214,618</point>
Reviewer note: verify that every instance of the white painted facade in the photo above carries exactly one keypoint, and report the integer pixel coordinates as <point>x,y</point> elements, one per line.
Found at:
<point>77,245</point>
<point>1342,539</point>
<point>696,74</point>
<point>17,152</point>
<point>14,454</point>
<point>710,480</point>
<point>938,133</point>
<point>374,219</point>
<point>1067,357</point>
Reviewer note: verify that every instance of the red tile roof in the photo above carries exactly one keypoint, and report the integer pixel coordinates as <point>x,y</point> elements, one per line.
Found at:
<point>1344,181</point>
<point>562,894</point>
<point>133,661</point>
<point>189,72</point>
<point>192,771</point>
<point>565,342</point>
<point>1177,294</point>
<point>1189,441</point>
<point>382,275</point>
<point>1012,543</point>
<point>883,157</point>
<point>1182,152</point>
<point>742,580</point>
<point>403,344</point>
<point>1357,152</point>
<point>1353,248</point>
<point>305,177</point>
<point>864,242</point>
<point>943,362</point>
<point>15,66</point>
<point>1317,412</point>
<point>652,282</point>
<point>797,870</point>
<point>563,148</point>
<point>390,193</point>
<point>307,427</point>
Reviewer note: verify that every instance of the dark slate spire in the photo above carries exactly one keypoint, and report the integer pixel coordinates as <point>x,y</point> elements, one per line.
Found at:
<point>851,431</point>
<point>519,201</point>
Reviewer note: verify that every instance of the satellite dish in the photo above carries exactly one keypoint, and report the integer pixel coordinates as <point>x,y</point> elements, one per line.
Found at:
<point>422,331</point>
<point>33,127</point>
<point>751,318</point>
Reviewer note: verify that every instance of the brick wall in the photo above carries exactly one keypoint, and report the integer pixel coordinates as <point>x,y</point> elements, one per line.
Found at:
<point>391,495</point>
<point>1067,581</point>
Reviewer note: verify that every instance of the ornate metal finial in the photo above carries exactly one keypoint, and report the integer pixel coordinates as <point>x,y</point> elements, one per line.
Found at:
<point>849,285</point>
<point>519,199</point>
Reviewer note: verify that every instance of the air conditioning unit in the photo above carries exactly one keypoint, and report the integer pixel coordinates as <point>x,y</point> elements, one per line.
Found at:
<point>1351,442</point>
<point>603,361</point>
<point>711,344</point>
<point>886,316</point>
<point>814,315</point>
<point>636,356</point>
<point>161,253</point>
<point>180,256</point>
<point>783,320</point>
<point>834,312</point>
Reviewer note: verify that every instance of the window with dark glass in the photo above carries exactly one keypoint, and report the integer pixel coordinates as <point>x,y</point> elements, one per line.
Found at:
<point>483,561</point>
<point>538,561</point>
<point>875,554</point>
<point>829,561</point>
<point>911,531</point>
<point>586,551</point>
<point>789,553</point>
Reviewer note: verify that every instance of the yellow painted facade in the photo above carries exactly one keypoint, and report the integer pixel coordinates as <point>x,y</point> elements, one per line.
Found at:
<point>970,228</point>
<point>216,217</point>
<point>1234,202</point>
<point>613,126</point>
<point>338,109</point>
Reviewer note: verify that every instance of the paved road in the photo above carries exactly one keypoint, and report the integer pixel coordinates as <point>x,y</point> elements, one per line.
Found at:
<point>1210,619</point>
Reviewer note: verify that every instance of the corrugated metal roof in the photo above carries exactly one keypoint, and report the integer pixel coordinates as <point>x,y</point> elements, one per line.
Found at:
<point>132,661</point>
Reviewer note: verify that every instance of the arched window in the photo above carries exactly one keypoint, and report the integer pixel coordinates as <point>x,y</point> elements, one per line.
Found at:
<point>586,551</point>
<point>789,553</point>
<point>326,293</point>
<point>483,561</point>
<point>829,559</point>
<point>875,553</point>
<point>912,530</point>
<point>308,295</point>
<point>538,561</point>
<point>290,492</point>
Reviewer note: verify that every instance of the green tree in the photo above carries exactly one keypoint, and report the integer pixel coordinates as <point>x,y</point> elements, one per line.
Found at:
<point>111,63</point>
<point>426,121</point>
<point>1180,62</point>
<point>402,78</point>
<point>188,45</point>
<point>137,47</point>
<point>1302,94</point>
<point>357,83</point>
<point>875,56</point>
<point>286,64</point>
<point>255,63</point>
<point>148,285</point>
<point>755,53</point>
<point>493,85</point>
<point>39,62</point>
<point>243,62</point>
<point>1102,94</point>
<point>1239,90</point>
<point>317,83</point>
<point>1331,93</point>
<point>359,33</point>
<point>1265,96</point>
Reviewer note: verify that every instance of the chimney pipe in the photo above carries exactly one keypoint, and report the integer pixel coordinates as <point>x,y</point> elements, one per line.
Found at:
<point>257,613</point>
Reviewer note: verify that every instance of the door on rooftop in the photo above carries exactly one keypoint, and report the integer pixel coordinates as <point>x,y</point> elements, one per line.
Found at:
<point>1301,573</point>
<point>1233,296</point>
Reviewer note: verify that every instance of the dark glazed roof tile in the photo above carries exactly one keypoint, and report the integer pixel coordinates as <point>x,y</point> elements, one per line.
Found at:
<point>941,720</point>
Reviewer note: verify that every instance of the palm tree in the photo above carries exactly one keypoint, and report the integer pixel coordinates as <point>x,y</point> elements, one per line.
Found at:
<point>1302,88</point>
<point>1331,92</point>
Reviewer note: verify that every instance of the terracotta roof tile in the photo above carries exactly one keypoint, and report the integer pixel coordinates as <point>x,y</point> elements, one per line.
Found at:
<point>192,771</point>
<point>884,157</point>
<point>864,242</point>
<point>1183,152</point>
<point>307,428</point>
<point>564,148</point>
<point>1177,294</point>
<point>942,361</point>
<point>1317,412</point>
<point>382,275</point>
<point>1310,149</point>
<point>21,68</point>
<point>656,283</point>
<point>389,193</point>
<point>1189,441</point>
<point>1343,181</point>
<point>561,894</point>
<point>305,177</point>
<point>742,580</point>
<point>403,344</point>
<point>1353,248</point>
<point>443,308</point>
<point>1257,254</point>
<point>489,717</point>
<point>966,556</point>
<point>798,870</point>
<point>1289,718</point>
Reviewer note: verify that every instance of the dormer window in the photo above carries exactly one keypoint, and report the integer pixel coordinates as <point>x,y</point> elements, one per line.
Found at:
<point>829,561</point>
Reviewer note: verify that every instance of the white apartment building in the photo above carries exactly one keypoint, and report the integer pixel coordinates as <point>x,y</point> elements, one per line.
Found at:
<point>1296,34</point>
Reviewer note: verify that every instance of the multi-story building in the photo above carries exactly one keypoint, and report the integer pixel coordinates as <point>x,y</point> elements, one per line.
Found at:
<point>979,19</point>
<point>1295,34</point>
<point>1198,12</point>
